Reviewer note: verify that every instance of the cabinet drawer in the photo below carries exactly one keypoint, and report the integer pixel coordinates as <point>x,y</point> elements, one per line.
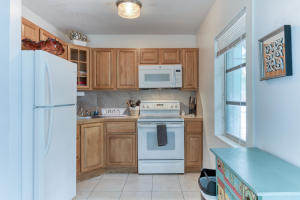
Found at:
<point>224,193</point>
<point>194,126</point>
<point>121,127</point>
<point>233,182</point>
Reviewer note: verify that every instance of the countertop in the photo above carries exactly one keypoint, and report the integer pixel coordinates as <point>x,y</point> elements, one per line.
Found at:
<point>265,174</point>
<point>127,118</point>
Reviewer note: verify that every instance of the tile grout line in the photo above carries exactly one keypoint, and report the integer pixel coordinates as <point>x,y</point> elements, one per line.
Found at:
<point>123,186</point>
<point>90,193</point>
<point>152,187</point>
<point>180,187</point>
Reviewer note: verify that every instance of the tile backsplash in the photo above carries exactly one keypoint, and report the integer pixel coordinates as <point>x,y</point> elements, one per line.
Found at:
<point>118,99</point>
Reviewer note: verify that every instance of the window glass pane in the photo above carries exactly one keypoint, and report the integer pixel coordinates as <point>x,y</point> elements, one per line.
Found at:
<point>236,56</point>
<point>243,84</point>
<point>236,85</point>
<point>236,121</point>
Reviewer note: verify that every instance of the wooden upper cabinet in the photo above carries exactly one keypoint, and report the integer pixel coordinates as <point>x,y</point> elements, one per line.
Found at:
<point>92,147</point>
<point>169,56</point>
<point>44,35</point>
<point>190,68</point>
<point>149,56</point>
<point>127,68</point>
<point>29,30</point>
<point>65,46</point>
<point>81,56</point>
<point>104,68</point>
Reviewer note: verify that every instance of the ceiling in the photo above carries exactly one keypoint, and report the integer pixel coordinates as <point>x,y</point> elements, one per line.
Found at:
<point>100,16</point>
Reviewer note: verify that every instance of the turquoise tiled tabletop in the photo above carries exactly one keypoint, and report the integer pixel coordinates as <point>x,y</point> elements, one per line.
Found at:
<point>267,175</point>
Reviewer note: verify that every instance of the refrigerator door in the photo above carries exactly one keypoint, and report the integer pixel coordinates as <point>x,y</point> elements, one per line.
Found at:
<point>55,153</point>
<point>55,80</point>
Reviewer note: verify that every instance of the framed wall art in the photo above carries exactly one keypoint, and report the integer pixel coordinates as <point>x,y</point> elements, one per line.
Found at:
<point>276,54</point>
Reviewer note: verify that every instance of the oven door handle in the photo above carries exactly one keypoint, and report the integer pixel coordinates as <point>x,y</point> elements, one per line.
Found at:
<point>155,125</point>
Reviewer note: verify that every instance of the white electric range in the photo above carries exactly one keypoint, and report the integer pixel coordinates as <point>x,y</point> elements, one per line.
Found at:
<point>152,158</point>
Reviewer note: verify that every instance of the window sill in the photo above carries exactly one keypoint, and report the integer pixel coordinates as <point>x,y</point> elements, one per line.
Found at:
<point>230,142</point>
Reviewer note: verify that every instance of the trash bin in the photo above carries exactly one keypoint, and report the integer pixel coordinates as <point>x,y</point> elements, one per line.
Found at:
<point>207,184</point>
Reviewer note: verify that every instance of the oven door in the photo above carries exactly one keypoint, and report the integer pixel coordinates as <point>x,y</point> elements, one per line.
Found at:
<point>156,78</point>
<point>147,141</point>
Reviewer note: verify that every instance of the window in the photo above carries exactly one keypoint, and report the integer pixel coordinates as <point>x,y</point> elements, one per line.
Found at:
<point>231,49</point>
<point>235,91</point>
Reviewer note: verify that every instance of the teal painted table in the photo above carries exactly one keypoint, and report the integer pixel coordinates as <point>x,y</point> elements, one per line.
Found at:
<point>253,174</point>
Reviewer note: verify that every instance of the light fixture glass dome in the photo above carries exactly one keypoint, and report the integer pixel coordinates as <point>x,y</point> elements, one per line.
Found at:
<point>129,9</point>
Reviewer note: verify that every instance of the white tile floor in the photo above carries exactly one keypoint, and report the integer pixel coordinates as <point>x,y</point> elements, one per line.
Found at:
<point>140,187</point>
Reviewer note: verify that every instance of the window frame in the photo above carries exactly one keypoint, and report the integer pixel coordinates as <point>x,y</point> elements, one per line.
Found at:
<point>236,103</point>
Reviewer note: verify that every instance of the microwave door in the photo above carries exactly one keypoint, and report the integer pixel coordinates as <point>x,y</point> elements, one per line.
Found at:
<point>156,79</point>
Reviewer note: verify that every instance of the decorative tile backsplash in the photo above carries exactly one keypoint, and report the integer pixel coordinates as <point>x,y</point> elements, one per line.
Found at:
<point>118,99</point>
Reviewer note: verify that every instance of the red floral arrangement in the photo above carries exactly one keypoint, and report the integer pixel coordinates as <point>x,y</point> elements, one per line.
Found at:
<point>50,45</point>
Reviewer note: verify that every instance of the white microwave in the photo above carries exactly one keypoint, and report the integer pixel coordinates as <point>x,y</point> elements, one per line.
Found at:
<point>160,76</point>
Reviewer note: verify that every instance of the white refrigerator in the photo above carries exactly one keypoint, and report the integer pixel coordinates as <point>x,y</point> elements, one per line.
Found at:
<point>48,127</point>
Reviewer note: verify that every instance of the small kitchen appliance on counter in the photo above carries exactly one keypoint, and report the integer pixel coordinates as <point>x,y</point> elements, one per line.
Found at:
<point>160,138</point>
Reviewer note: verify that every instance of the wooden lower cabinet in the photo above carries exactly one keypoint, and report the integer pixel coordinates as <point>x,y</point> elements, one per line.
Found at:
<point>78,150</point>
<point>92,146</point>
<point>121,150</point>
<point>113,145</point>
<point>193,145</point>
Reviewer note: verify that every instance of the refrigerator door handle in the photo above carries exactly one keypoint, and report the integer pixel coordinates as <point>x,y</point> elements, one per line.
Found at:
<point>49,132</point>
<point>50,83</point>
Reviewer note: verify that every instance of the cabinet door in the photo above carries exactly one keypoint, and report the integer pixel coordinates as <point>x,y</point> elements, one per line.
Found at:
<point>30,30</point>
<point>81,56</point>
<point>193,145</point>
<point>127,61</point>
<point>65,46</point>
<point>92,147</point>
<point>193,150</point>
<point>104,68</point>
<point>78,150</point>
<point>169,56</point>
<point>149,56</point>
<point>190,68</point>
<point>121,150</point>
<point>44,35</point>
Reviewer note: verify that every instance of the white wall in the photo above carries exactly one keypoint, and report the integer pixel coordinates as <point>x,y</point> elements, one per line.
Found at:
<point>34,18</point>
<point>277,101</point>
<point>220,15</point>
<point>10,134</point>
<point>142,41</point>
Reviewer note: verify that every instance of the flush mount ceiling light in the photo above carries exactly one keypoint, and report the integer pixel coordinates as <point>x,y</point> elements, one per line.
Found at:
<point>129,9</point>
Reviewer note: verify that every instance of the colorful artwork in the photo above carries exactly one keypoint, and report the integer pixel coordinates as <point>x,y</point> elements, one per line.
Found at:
<point>276,54</point>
